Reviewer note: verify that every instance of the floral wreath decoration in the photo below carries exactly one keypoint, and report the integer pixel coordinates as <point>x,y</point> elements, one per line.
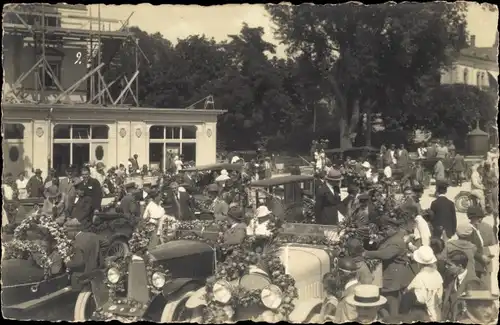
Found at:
<point>22,248</point>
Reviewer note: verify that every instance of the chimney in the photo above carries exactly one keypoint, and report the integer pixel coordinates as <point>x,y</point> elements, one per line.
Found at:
<point>473,41</point>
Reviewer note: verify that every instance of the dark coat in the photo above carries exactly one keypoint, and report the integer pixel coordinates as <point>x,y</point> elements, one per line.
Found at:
<point>451,304</point>
<point>82,211</point>
<point>346,207</point>
<point>395,263</point>
<point>182,206</point>
<point>130,207</point>
<point>458,164</point>
<point>93,189</point>
<point>35,186</point>
<point>326,206</point>
<point>445,216</point>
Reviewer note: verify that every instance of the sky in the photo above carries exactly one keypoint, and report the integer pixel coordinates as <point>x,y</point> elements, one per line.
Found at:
<point>178,21</point>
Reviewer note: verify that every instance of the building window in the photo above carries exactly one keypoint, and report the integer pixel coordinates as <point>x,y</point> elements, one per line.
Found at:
<point>56,69</point>
<point>14,154</point>
<point>466,76</point>
<point>13,131</point>
<point>166,142</point>
<point>78,144</point>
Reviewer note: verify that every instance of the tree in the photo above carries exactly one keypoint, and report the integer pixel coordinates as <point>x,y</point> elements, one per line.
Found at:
<point>377,58</point>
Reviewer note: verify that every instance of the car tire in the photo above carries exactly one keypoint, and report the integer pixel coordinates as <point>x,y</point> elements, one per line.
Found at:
<point>84,306</point>
<point>462,202</point>
<point>171,310</point>
<point>117,248</point>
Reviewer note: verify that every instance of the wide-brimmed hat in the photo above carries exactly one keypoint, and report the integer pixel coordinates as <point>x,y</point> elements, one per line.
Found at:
<point>464,229</point>
<point>262,212</point>
<point>222,178</point>
<point>212,188</point>
<point>334,175</point>
<point>366,295</point>
<point>484,295</point>
<point>38,171</point>
<point>52,192</point>
<point>366,164</point>
<point>235,213</point>
<point>424,255</point>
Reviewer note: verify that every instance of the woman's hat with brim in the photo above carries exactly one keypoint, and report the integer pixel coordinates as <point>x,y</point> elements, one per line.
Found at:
<point>222,178</point>
<point>334,175</point>
<point>366,295</point>
<point>366,164</point>
<point>424,255</point>
<point>262,212</point>
<point>235,213</point>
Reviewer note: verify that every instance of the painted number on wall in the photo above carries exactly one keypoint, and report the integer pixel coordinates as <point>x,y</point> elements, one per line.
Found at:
<point>78,58</point>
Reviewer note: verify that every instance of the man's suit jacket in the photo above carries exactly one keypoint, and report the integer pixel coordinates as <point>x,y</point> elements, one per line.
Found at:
<point>235,235</point>
<point>182,205</point>
<point>445,216</point>
<point>346,207</point>
<point>130,207</point>
<point>451,303</point>
<point>82,211</point>
<point>458,164</point>
<point>65,185</point>
<point>35,187</point>
<point>395,264</point>
<point>439,171</point>
<point>326,206</point>
<point>94,190</point>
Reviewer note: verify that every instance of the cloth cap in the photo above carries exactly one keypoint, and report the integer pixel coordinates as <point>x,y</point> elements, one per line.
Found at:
<point>478,295</point>
<point>366,295</point>
<point>464,229</point>
<point>424,255</point>
<point>262,212</point>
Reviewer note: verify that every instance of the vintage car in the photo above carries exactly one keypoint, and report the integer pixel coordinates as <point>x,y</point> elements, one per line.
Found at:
<point>189,262</point>
<point>306,263</point>
<point>285,195</point>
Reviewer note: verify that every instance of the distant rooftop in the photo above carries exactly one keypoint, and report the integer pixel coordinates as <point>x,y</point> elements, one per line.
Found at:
<point>482,53</point>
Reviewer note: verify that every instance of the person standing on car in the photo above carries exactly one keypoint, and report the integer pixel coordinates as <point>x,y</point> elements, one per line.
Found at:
<point>181,200</point>
<point>81,205</point>
<point>236,234</point>
<point>444,221</point>
<point>328,199</point>
<point>129,204</point>
<point>93,188</point>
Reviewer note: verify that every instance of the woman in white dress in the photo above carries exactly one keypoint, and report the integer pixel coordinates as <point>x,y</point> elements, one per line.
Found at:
<point>155,213</point>
<point>21,183</point>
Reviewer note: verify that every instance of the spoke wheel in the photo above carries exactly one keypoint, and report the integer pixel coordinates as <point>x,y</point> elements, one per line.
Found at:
<point>462,203</point>
<point>118,248</point>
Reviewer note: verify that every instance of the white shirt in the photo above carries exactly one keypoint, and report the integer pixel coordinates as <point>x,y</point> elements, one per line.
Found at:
<point>388,172</point>
<point>21,187</point>
<point>8,192</point>
<point>153,211</point>
<point>428,285</point>
<point>421,152</point>
<point>422,230</point>
<point>258,229</point>
<point>369,173</point>
<point>178,165</point>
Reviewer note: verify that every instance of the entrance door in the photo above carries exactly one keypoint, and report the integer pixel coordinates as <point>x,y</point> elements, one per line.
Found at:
<point>81,154</point>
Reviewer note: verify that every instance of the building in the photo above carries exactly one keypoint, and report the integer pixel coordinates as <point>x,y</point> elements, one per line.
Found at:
<point>57,105</point>
<point>477,66</point>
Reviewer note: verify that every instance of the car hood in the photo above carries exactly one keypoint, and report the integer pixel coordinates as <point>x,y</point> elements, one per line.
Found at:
<point>179,248</point>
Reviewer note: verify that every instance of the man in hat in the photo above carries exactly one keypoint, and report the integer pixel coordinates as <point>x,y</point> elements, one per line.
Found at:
<point>66,183</point>
<point>92,188</point>
<point>258,226</point>
<point>457,280</point>
<point>236,234</point>
<point>367,301</point>
<point>423,297</point>
<point>347,275</point>
<point>355,250</point>
<point>80,209</point>
<point>99,174</point>
<point>219,207</point>
<point>347,206</point>
<point>361,214</point>
<point>135,162</point>
<point>130,203</point>
<point>480,307</point>
<point>35,186</point>
<point>181,201</point>
<point>328,199</point>
<point>444,222</point>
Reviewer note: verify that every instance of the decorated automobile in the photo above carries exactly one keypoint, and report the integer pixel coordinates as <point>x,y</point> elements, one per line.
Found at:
<point>150,285</point>
<point>282,283</point>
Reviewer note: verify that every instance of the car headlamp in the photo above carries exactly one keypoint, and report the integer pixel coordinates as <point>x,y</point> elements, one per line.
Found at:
<point>113,275</point>
<point>222,291</point>
<point>158,280</point>
<point>271,296</point>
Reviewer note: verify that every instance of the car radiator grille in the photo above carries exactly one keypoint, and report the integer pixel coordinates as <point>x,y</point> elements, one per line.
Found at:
<point>138,282</point>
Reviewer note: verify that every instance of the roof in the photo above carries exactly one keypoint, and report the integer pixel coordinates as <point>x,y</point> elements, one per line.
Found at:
<point>482,53</point>
<point>226,166</point>
<point>281,180</point>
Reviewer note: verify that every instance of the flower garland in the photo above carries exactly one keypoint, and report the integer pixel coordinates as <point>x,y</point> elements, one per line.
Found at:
<point>63,245</point>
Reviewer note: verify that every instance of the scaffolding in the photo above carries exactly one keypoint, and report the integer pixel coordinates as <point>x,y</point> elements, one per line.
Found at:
<point>52,28</point>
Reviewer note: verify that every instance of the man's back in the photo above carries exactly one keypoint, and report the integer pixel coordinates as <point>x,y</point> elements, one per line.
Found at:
<point>444,215</point>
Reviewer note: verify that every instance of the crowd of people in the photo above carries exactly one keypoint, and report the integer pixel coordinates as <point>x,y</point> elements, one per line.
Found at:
<point>431,264</point>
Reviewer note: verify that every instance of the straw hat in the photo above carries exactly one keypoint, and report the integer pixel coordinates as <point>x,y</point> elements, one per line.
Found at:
<point>366,295</point>
<point>262,212</point>
<point>222,178</point>
<point>366,164</point>
<point>424,255</point>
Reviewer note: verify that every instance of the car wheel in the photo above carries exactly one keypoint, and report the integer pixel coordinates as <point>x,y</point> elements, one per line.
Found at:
<point>176,311</point>
<point>117,248</point>
<point>85,306</point>
<point>462,203</point>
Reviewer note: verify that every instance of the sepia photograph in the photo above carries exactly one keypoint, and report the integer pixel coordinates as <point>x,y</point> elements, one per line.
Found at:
<point>213,164</point>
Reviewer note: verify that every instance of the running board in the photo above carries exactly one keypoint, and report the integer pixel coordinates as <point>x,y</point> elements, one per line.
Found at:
<point>40,301</point>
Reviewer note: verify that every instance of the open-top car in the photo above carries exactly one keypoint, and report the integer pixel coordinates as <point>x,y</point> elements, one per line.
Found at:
<point>307,264</point>
<point>154,296</point>
<point>290,196</point>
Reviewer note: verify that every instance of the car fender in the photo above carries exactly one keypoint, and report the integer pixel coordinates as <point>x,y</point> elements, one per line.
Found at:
<point>173,286</point>
<point>303,309</point>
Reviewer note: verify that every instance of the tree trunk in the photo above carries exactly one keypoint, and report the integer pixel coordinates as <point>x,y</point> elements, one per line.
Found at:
<point>368,134</point>
<point>347,126</point>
